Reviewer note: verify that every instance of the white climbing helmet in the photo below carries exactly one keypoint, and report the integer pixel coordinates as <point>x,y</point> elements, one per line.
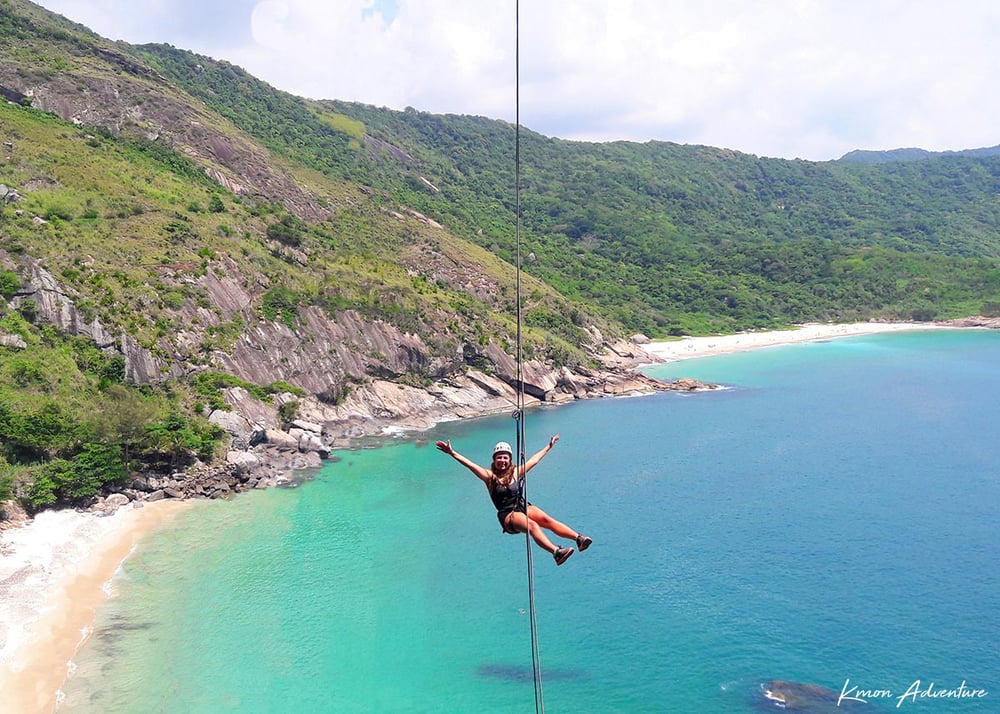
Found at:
<point>502,447</point>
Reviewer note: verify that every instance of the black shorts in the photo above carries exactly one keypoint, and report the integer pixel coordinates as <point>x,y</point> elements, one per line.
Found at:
<point>502,517</point>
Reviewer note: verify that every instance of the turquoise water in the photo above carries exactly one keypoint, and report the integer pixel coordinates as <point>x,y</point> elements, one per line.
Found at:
<point>831,519</point>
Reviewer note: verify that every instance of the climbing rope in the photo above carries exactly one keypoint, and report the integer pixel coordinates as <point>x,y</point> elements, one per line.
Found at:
<point>536,664</point>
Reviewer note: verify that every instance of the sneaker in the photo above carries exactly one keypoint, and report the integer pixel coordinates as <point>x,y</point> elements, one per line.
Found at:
<point>562,554</point>
<point>583,542</point>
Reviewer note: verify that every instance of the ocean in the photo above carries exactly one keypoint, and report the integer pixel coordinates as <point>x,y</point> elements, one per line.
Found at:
<point>830,519</point>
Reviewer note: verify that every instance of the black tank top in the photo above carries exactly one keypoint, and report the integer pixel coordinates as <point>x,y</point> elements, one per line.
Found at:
<point>507,497</point>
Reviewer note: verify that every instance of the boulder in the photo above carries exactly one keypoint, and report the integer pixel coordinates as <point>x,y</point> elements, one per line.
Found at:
<point>312,443</point>
<point>237,426</point>
<point>308,426</point>
<point>12,513</point>
<point>689,385</point>
<point>107,505</point>
<point>280,439</point>
<point>242,461</point>
<point>115,501</point>
<point>13,341</point>
<point>491,385</point>
<point>308,460</point>
<point>801,696</point>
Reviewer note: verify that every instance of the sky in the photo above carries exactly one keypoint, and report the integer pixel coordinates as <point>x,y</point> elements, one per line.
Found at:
<point>808,79</point>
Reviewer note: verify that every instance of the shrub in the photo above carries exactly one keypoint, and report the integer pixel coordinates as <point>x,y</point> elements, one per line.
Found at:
<point>73,480</point>
<point>31,435</point>
<point>281,303</point>
<point>58,212</point>
<point>9,284</point>
<point>28,310</point>
<point>108,367</point>
<point>172,300</point>
<point>208,384</point>
<point>27,373</point>
<point>282,386</point>
<point>990,309</point>
<point>6,482</point>
<point>287,230</point>
<point>41,491</point>
<point>176,438</point>
<point>287,413</point>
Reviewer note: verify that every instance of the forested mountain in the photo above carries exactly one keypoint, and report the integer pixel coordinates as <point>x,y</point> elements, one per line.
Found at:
<point>176,235</point>
<point>661,237</point>
<point>881,157</point>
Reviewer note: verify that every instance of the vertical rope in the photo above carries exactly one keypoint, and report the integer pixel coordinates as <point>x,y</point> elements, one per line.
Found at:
<point>536,664</point>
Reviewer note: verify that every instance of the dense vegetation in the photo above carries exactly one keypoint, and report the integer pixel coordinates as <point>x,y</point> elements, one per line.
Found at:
<point>70,426</point>
<point>664,238</point>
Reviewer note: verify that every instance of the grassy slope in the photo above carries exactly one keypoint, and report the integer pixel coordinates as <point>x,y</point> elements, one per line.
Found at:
<point>661,237</point>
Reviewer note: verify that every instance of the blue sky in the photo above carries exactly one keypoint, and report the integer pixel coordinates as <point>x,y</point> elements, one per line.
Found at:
<point>809,79</point>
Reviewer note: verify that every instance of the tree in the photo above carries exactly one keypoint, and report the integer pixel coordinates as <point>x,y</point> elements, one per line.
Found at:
<point>6,480</point>
<point>124,419</point>
<point>74,480</point>
<point>179,438</point>
<point>34,435</point>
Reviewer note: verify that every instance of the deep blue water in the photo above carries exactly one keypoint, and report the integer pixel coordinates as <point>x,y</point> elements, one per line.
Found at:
<point>830,518</point>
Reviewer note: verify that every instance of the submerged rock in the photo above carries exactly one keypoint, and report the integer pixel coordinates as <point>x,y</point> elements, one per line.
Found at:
<point>805,697</point>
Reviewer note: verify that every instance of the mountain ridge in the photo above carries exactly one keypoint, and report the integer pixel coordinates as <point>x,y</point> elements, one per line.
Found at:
<point>238,250</point>
<point>912,154</point>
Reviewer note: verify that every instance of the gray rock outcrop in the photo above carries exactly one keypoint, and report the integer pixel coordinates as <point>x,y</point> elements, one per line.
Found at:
<point>348,373</point>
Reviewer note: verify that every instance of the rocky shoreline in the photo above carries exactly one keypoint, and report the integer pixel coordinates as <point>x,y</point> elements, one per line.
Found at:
<point>261,454</point>
<point>358,377</point>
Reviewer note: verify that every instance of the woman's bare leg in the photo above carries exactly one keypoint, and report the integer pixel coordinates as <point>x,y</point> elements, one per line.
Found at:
<point>519,522</point>
<point>543,519</point>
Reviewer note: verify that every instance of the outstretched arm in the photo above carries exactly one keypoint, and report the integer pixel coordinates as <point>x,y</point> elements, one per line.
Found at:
<point>533,461</point>
<point>479,471</point>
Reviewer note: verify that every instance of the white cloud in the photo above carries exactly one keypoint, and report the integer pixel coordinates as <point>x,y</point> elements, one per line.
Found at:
<point>791,78</point>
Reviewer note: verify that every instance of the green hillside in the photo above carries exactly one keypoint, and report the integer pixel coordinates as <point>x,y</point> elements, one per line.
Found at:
<point>664,238</point>
<point>132,230</point>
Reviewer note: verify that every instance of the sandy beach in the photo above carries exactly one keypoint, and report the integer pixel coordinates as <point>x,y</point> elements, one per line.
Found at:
<point>690,347</point>
<point>54,573</point>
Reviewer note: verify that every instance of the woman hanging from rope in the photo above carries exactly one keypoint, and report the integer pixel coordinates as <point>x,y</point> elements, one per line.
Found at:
<point>505,482</point>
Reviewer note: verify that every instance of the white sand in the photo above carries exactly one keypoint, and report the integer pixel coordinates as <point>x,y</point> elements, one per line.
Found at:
<point>54,573</point>
<point>688,347</point>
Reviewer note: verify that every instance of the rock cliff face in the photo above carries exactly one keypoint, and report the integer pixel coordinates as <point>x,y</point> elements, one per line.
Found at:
<point>108,88</point>
<point>321,354</point>
<point>56,306</point>
<point>347,365</point>
<point>349,368</point>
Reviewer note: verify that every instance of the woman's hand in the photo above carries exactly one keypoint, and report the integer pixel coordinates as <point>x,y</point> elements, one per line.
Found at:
<point>553,440</point>
<point>445,446</point>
